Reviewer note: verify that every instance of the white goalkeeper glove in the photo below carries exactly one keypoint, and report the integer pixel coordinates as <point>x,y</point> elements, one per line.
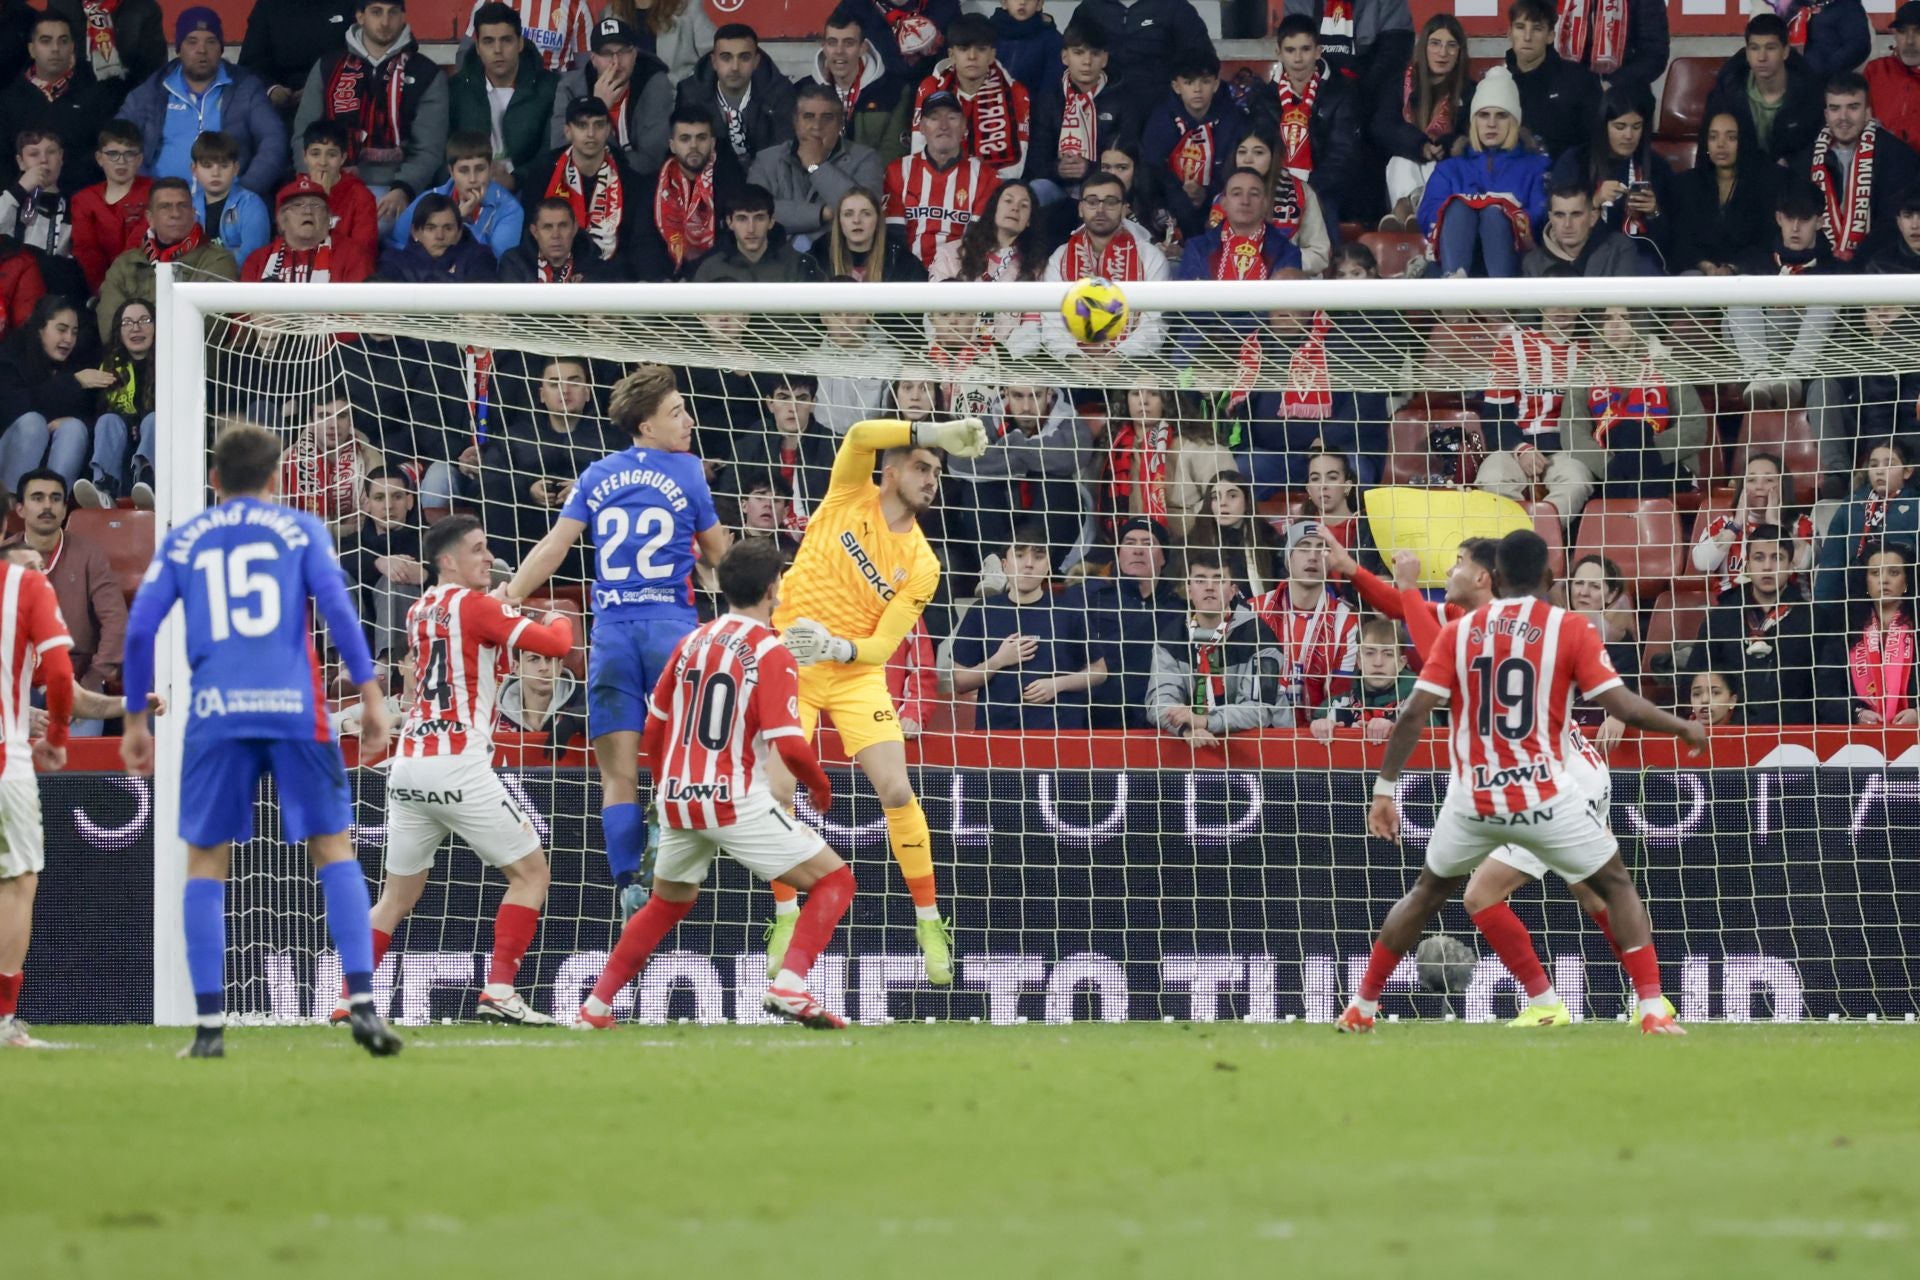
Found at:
<point>961,437</point>
<point>809,642</point>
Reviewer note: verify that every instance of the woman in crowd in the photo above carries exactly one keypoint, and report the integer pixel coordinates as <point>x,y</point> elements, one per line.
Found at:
<point>1881,676</point>
<point>1765,496</point>
<point>1631,184</point>
<point>1714,698</point>
<point>123,432</point>
<point>1296,210</point>
<point>1419,126</point>
<point>1247,543</point>
<point>1722,206</point>
<point>678,32</point>
<point>1597,588</point>
<point>858,247</point>
<point>1333,495</point>
<point>1005,243</point>
<point>1165,454</point>
<point>1482,207</point>
<point>49,385</point>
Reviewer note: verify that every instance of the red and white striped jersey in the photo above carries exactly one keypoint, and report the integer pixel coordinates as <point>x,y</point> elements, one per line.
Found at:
<point>1532,373</point>
<point>1510,671</point>
<point>30,625</point>
<point>559,29</point>
<point>934,205</point>
<point>730,690</point>
<point>460,640</point>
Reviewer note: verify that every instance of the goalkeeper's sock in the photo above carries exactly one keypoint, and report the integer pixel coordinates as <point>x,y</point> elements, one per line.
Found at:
<point>1510,940</point>
<point>1380,966</point>
<point>625,827</point>
<point>382,941</point>
<point>344,887</point>
<point>786,898</point>
<point>513,929</point>
<point>10,993</point>
<point>643,933</point>
<point>1643,969</point>
<point>1606,931</point>
<point>827,904</point>
<point>204,908</point>
<point>912,843</point>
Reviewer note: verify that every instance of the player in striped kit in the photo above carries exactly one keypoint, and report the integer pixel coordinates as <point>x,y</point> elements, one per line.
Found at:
<point>1508,673</point>
<point>934,194</point>
<point>727,702</point>
<point>442,781</point>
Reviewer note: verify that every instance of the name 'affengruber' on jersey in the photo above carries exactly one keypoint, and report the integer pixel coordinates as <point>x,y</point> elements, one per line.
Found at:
<point>644,507</point>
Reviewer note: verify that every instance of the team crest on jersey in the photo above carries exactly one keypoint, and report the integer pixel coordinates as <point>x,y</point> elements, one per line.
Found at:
<point>678,792</point>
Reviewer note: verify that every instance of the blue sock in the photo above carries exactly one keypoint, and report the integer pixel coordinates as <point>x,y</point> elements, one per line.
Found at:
<point>626,835</point>
<point>345,888</point>
<point>204,907</point>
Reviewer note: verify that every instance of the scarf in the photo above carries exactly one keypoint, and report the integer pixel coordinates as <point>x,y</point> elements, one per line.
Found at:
<point>1309,390</point>
<point>1241,257</point>
<point>1209,685</point>
<point>314,266</point>
<point>1439,124</point>
<point>1296,115</point>
<point>1192,157</point>
<point>1516,218</point>
<point>1079,120</point>
<point>1787,262</point>
<point>157,252</point>
<point>101,49</point>
<point>1155,453</point>
<point>1119,261</point>
<point>1611,406</point>
<point>993,132</point>
<point>1306,653</point>
<point>1849,213</point>
<point>736,121</point>
<point>50,89</point>
<point>1800,20</point>
<point>1881,662</point>
<point>368,95</point>
<point>1336,29</point>
<point>321,481</point>
<point>1871,520</point>
<point>602,215</point>
<point>1603,23</point>
<point>683,210</point>
<point>562,274</point>
<point>914,30</point>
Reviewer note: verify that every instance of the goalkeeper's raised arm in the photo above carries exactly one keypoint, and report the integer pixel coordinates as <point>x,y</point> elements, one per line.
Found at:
<point>865,573</point>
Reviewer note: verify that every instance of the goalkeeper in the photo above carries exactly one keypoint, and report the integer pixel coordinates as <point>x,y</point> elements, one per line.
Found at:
<point>862,578</point>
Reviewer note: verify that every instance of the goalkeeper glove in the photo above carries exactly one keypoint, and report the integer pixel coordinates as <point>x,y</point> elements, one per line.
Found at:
<point>961,437</point>
<point>809,642</point>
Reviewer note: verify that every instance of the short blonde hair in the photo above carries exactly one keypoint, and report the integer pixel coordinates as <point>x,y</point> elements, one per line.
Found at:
<point>639,395</point>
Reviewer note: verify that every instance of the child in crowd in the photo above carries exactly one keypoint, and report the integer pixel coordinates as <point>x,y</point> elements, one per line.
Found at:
<point>1373,701</point>
<point>230,214</point>
<point>1714,699</point>
<point>33,210</point>
<point>491,212</point>
<point>1194,133</point>
<point>356,216</point>
<point>109,215</point>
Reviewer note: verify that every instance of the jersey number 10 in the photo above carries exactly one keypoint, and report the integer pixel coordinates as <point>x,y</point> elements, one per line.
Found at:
<point>231,582</point>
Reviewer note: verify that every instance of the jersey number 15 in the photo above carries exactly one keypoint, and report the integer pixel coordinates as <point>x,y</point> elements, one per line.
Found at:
<point>232,582</point>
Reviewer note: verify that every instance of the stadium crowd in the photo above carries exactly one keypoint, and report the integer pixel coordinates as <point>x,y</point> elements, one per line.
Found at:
<point>1139,557</point>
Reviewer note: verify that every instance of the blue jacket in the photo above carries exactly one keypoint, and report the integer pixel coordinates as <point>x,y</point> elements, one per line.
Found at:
<point>1199,258</point>
<point>245,224</point>
<point>1519,173</point>
<point>1169,122</point>
<point>467,262</point>
<point>236,104</point>
<point>1839,37</point>
<point>498,227</point>
<point>1030,50</point>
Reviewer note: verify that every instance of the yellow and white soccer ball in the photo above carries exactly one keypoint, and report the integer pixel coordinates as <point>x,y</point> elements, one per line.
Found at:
<point>1095,311</point>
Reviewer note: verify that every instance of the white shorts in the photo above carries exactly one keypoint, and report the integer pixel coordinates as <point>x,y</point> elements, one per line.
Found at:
<point>22,838</point>
<point>432,798</point>
<point>1565,835</point>
<point>1597,782</point>
<point>769,845</point>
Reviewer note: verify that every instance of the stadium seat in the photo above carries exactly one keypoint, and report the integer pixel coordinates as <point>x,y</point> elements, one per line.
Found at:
<point>1683,104</point>
<point>1406,447</point>
<point>125,536</point>
<point>1641,535</point>
<point>1393,249</point>
<point>1680,153</point>
<point>1786,433</point>
<point>1675,622</point>
<point>1547,522</point>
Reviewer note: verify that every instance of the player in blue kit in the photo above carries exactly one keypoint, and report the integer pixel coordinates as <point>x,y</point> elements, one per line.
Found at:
<point>649,508</point>
<point>245,570</point>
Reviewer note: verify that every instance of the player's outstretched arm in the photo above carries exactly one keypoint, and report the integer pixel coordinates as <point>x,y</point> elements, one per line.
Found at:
<point>550,639</point>
<point>1384,819</point>
<point>853,465</point>
<point>546,558</point>
<point>1631,708</point>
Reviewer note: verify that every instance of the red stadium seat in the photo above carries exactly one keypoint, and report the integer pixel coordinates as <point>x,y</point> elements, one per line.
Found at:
<point>1787,434</point>
<point>1393,249</point>
<point>1680,153</point>
<point>1677,619</point>
<point>1406,447</point>
<point>1642,536</point>
<point>1548,523</point>
<point>126,537</point>
<point>1683,104</point>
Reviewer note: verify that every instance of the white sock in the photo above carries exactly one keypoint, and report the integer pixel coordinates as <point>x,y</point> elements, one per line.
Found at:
<point>927,913</point>
<point>1653,1006</point>
<point>212,1020</point>
<point>1367,1007</point>
<point>597,1007</point>
<point>1544,999</point>
<point>499,990</point>
<point>788,980</point>
<point>787,907</point>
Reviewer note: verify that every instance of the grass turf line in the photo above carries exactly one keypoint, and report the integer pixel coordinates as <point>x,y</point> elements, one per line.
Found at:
<point>1188,1150</point>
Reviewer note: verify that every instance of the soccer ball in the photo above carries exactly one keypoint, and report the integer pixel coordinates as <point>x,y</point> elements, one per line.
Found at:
<point>1095,311</point>
<point>1445,964</point>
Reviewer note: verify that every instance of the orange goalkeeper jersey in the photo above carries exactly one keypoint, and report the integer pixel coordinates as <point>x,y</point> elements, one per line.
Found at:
<point>853,574</point>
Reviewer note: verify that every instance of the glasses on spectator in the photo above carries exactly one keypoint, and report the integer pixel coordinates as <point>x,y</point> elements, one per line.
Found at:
<point>1102,202</point>
<point>136,322</point>
<point>120,156</point>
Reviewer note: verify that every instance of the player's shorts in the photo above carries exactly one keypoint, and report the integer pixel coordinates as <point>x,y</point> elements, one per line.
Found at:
<point>624,662</point>
<point>1596,782</point>
<point>856,697</point>
<point>1565,834</point>
<point>431,798</point>
<point>769,845</point>
<point>22,838</point>
<point>221,776</point>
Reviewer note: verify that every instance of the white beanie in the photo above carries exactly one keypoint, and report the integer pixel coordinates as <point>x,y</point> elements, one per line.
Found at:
<point>1497,89</point>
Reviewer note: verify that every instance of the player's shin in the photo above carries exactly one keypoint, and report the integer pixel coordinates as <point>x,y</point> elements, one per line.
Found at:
<point>827,904</point>
<point>344,888</point>
<point>204,909</point>
<point>626,834</point>
<point>912,842</point>
<point>637,942</point>
<point>513,928</point>
<point>1510,941</point>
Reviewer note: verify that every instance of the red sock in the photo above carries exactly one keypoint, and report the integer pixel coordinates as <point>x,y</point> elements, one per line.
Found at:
<point>1643,967</point>
<point>1380,967</point>
<point>921,888</point>
<point>827,902</point>
<point>1606,931</point>
<point>643,933</point>
<point>1514,945</point>
<point>513,928</point>
<point>10,992</point>
<point>381,941</point>
<point>783,892</point>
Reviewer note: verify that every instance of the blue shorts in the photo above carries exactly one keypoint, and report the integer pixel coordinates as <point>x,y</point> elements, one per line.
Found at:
<point>624,662</point>
<point>222,777</point>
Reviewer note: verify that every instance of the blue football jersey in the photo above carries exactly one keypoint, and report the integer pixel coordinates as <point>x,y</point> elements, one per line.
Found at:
<point>245,573</point>
<point>643,508</point>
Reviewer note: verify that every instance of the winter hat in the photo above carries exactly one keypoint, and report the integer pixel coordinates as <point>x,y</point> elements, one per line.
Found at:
<point>1497,89</point>
<point>199,18</point>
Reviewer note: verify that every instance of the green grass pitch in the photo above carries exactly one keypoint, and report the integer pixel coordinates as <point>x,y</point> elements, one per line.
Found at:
<point>1149,1150</point>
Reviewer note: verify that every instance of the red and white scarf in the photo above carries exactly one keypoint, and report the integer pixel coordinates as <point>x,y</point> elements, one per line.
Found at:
<point>51,90</point>
<point>1192,156</point>
<point>102,51</point>
<point>1120,260</point>
<point>1079,120</point>
<point>683,209</point>
<point>1849,213</point>
<point>993,126</point>
<point>1307,641</point>
<point>292,266</point>
<point>157,252</point>
<point>368,96</point>
<point>1296,119</point>
<point>1241,257</point>
<point>1800,19</point>
<point>1156,453</point>
<point>1881,663</point>
<point>1601,22</point>
<point>562,274</point>
<point>1516,217</point>
<point>1439,123</point>
<point>601,216</point>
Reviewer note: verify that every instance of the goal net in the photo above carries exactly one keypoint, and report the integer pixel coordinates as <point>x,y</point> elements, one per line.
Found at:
<point>1147,703</point>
